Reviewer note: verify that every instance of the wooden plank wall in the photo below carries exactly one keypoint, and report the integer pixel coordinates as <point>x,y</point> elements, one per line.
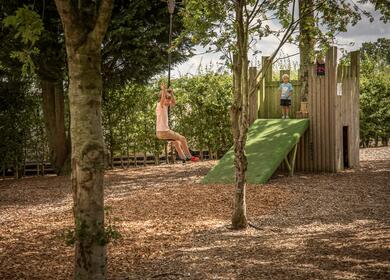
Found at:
<point>321,148</point>
<point>269,96</point>
<point>355,124</point>
<point>347,111</point>
<point>253,97</point>
<point>317,151</point>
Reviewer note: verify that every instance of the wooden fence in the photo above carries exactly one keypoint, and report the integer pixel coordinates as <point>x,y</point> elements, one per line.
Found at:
<point>33,168</point>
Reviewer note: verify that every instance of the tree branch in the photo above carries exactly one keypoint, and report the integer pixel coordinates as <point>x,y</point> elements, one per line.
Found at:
<point>103,19</point>
<point>67,15</point>
<point>284,57</point>
<point>291,28</point>
<point>255,11</point>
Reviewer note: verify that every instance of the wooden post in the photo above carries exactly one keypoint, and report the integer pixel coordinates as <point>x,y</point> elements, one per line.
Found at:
<point>334,118</point>
<point>355,107</point>
<point>310,148</point>
<point>282,72</point>
<point>261,96</point>
<point>43,160</point>
<point>253,99</point>
<point>267,79</point>
<point>166,152</point>
<point>173,155</point>
<point>268,73</point>
<point>293,159</point>
<point>24,155</point>
<point>290,162</point>
<point>135,157</point>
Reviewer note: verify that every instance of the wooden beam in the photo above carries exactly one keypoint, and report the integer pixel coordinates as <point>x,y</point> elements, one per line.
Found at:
<point>293,159</point>
<point>290,162</point>
<point>287,164</point>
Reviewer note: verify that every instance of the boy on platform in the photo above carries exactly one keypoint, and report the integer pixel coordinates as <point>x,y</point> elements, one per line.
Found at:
<point>286,91</point>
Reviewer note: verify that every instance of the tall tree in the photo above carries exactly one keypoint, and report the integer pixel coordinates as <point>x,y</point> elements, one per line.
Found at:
<point>134,49</point>
<point>231,26</point>
<point>51,71</point>
<point>378,51</point>
<point>136,44</point>
<point>306,42</point>
<point>16,110</point>
<point>44,57</point>
<point>85,24</point>
<point>240,113</point>
<point>318,29</point>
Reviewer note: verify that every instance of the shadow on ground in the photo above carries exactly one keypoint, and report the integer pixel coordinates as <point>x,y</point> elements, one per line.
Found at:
<point>311,226</point>
<point>336,226</point>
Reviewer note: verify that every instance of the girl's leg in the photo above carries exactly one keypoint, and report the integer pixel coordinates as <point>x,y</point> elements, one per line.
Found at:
<point>184,145</point>
<point>179,149</point>
<point>287,110</point>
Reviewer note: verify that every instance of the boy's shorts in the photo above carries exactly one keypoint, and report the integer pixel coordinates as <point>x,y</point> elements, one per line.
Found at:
<point>169,135</point>
<point>285,102</point>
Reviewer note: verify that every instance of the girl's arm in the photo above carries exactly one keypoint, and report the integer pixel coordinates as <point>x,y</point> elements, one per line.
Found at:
<point>173,101</point>
<point>163,95</point>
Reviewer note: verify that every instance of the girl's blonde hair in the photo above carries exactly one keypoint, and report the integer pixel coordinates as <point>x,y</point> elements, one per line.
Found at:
<point>285,76</point>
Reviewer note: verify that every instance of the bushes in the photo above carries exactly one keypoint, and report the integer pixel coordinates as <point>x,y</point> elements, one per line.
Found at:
<point>22,136</point>
<point>375,93</point>
<point>375,110</point>
<point>129,121</point>
<point>201,114</point>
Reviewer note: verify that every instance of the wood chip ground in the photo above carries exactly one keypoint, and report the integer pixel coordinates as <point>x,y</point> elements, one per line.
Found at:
<point>311,226</point>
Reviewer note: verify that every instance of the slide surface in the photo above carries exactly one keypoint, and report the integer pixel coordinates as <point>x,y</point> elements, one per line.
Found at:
<point>268,143</point>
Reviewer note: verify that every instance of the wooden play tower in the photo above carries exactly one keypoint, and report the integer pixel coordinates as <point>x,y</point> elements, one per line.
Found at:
<point>331,143</point>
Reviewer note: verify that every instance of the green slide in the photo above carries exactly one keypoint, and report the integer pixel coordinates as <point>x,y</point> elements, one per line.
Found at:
<point>268,143</point>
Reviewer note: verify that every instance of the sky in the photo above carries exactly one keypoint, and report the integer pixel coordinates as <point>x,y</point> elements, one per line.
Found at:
<point>364,31</point>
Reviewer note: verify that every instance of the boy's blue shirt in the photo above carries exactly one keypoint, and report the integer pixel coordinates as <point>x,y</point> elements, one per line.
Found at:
<point>285,88</point>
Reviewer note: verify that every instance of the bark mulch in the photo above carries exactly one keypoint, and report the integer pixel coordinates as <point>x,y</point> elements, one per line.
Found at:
<point>311,226</point>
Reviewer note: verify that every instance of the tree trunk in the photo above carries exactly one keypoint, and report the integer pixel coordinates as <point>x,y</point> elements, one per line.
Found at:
<point>54,116</point>
<point>85,26</point>
<point>385,141</point>
<point>239,117</point>
<point>87,163</point>
<point>306,43</point>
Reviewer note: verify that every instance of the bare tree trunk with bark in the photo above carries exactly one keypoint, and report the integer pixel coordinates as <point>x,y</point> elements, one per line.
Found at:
<point>306,42</point>
<point>239,116</point>
<point>54,116</point>
<point>85,26</point>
